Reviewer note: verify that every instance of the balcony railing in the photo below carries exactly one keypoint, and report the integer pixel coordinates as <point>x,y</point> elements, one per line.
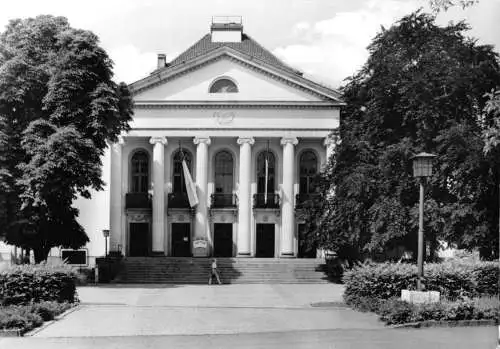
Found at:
<point>303,200</point>
<point>137,200</point>
<point>178,200</point>
<point>219,200</point>
<point>259,201</point>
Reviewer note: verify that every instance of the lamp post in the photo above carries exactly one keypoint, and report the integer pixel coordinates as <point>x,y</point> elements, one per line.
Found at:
<point>105,233</point>
<point>422,168</point>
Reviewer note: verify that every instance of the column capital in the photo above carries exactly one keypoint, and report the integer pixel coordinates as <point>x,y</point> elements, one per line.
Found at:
<point>289,140</point>
<point>155,140</point>
<point>245,140</point>
<point>198,140</point>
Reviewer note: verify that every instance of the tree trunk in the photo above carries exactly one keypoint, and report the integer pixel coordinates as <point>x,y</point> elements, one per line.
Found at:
<point>41,254</point>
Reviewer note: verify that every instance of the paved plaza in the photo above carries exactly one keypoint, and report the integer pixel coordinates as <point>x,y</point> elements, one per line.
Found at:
<point>232,316</point>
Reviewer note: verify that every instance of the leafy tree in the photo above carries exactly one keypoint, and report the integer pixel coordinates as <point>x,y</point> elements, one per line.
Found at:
<point>422,89</point>
<point>58,108</point>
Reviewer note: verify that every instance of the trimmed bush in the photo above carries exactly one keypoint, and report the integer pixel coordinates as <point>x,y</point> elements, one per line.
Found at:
<point>37,283</point>
<point>19,317</point>
<point>49,310</point>
<point>395,311</point>
<point>453,280</point>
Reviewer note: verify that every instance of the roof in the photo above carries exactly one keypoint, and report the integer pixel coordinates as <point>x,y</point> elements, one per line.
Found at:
<point>247,46</point>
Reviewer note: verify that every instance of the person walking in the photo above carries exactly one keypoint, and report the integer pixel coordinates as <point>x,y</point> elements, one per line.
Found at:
<point>214,272</point>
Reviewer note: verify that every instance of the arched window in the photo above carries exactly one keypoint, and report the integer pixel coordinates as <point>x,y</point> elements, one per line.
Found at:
<point>179,184</point>
<point>223,86</point>
<point>223,173</point>
<point>308,170</point>
<point>261,172</point>
<point>139,172</point>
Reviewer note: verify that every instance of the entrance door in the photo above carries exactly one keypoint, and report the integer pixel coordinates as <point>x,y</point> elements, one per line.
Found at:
<point>305,251</point>
<point>181,240</point>
<point>223,240</point>
<point>265,241</point>
<point>139,239</point>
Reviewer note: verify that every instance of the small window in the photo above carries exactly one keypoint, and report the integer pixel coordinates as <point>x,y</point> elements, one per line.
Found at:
<point>223,86</point>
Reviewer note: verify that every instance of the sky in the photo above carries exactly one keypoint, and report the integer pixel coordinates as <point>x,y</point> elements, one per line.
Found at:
<point>325,39</point>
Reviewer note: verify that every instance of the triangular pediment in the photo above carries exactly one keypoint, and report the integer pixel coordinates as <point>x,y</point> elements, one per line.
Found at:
<point>256,80</point>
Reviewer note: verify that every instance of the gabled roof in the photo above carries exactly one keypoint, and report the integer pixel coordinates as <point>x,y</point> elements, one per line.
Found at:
<point>247,52</point>
<point>247,46</point>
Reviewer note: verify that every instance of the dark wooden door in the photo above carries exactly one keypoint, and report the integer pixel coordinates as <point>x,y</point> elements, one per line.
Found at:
<point>223,240</point>
<point>139,239</point>
<point>265,241</point>
<point>305,250</point>
<point>181,240</point>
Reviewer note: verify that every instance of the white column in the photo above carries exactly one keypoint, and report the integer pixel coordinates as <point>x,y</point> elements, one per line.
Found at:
<point>244,199</point>
<point>158,194</point>
<point>288,213</point>
<point>116,195</point>
<point>201,224</point>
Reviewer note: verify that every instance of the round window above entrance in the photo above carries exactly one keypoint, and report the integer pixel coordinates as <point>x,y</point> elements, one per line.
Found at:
<point>223,85</point>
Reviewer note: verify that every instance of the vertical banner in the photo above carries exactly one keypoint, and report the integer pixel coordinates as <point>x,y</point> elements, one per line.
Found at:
<point>190,186</point>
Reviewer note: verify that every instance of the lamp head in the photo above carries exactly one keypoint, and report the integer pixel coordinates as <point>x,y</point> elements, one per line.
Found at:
<point>422,164</point>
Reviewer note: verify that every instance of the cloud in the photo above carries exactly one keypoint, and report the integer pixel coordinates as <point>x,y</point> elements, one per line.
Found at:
<point>335,48</point>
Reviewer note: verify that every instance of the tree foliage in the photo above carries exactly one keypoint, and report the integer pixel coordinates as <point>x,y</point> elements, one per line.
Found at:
<point>58,108</point>
<point>422,89</point>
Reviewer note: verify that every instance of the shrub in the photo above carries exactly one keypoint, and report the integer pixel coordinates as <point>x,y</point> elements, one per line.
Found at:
<point>395,311</point>
<point>26,284</point>
<point>486,308</point>
<point>19,317</point>
<point>453,280</point>
<point>49,309</point>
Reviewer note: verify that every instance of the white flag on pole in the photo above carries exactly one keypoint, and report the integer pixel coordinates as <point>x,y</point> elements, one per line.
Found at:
<point>190,186</point>
<point>265,181</point>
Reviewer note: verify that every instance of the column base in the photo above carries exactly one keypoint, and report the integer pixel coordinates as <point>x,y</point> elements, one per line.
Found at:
<point>157,254</point>
<point>287,255</point>
<point>243,254</point>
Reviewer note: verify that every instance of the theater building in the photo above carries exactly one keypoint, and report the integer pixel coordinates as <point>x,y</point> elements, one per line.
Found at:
<point>253,133</point>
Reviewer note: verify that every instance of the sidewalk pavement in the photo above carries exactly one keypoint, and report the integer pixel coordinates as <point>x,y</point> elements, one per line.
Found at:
<point>232,316</point>
<point>195,310</point>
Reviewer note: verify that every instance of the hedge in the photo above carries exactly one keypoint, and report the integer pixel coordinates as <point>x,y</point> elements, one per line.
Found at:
<point>27,317</point>
<point>27,284</point>
<point>454,280</point>
<point>396,311</point>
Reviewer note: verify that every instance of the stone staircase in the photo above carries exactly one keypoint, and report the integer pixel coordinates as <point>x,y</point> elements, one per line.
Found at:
<point>170,270</point>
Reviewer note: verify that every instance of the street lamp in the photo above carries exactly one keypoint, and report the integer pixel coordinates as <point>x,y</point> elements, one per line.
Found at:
<point>422,168</point>
<point>105,233</point>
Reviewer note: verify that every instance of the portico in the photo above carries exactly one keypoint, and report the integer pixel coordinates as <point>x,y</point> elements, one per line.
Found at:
<point>253,133</point>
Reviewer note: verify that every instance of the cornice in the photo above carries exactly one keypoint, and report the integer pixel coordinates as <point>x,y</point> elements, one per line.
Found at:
<point>234,105</point>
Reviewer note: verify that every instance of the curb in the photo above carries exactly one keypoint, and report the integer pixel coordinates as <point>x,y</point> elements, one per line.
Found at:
<point>48,323</point>
<point>435,323</point>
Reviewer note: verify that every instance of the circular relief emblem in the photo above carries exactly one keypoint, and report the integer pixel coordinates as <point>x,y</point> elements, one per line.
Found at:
<point>224,117</point>
<point>181,218</point>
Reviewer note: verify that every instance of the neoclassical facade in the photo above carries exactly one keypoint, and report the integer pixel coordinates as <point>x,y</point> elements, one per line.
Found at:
<point>253,133</point>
